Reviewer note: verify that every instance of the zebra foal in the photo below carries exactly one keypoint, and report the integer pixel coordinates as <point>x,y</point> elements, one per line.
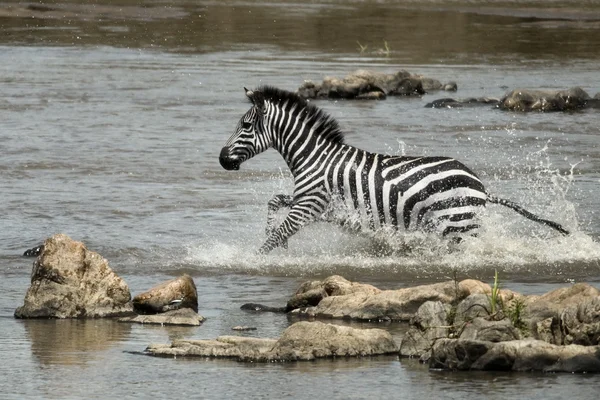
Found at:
<point>433,194</point>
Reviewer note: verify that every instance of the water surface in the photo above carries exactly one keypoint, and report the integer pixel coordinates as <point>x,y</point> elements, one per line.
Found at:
<point>112,120</point>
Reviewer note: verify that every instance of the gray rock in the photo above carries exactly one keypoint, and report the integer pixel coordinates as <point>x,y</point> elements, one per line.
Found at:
<point>518,355</point>
<point>174,294</point>
<point>429,324</point>
<point>184,316</point>
<point>301,341</point>
<point>70,281</point>
<point>581,323</point>
<point>545,313</point>
<point>491,331</point>
<point>475,305</point>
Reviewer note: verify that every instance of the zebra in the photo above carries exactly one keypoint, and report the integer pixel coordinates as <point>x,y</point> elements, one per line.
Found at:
<point>409,193</point>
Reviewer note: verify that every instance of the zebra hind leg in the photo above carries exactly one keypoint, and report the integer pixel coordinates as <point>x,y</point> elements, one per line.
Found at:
<point>276,203</point>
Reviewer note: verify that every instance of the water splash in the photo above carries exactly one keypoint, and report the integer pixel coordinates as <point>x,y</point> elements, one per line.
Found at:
<point>507,241</point>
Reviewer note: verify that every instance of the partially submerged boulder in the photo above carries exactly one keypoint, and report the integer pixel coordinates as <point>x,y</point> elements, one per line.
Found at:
<point>516,355</point>
<point>70,281</point>
<point>171,295</point>
<point>301,341</point>
<point>545,100</point>
<point>184,316</point>
<point>372,85</point>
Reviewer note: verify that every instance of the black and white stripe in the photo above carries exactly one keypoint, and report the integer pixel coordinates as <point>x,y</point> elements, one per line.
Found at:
<point>435,194</point>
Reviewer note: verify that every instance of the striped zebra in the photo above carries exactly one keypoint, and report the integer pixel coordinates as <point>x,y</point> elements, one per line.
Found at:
<point>432,194</point>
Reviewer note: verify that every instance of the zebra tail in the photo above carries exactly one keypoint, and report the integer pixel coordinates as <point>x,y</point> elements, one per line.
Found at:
<point>525,213</point>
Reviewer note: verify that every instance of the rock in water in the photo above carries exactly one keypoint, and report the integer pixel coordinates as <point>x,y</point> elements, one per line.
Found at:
<point>174,294</point>
<point>70,281</point>
<point>301,341</point>
<point>515,355</point>
<point>182,317</point>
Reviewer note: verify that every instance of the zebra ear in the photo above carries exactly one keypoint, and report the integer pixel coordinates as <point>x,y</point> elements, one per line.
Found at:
<point>257,98</point>
<point>249,95</point>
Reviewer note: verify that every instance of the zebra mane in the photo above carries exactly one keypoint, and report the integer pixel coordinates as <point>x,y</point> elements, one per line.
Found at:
<point>328,128</point>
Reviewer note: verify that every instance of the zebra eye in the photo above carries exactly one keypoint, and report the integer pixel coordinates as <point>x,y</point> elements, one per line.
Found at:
<point>247,126</point>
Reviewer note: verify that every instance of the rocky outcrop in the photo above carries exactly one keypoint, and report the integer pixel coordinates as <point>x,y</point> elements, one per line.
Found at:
<point>70,281</point>
<point>171,295</point>
<point>301,341</point>
<point>372,85</point>
<point>184,316</point>
<point>539,100</point>
<point>372,304</point>
<point>566,315</point>
<point>516,355</point>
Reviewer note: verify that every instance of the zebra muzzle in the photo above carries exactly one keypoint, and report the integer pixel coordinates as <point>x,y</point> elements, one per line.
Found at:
<point>227,161</point>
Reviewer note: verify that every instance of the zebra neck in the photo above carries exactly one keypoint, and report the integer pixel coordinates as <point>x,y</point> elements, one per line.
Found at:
<point>318,160</point>
<point>301,133</point>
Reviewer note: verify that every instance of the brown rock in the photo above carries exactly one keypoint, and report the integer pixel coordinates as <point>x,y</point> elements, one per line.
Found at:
<point>70,281</point>
<point>396,305</point>
<point>301,341</point>
<point>174,294</point>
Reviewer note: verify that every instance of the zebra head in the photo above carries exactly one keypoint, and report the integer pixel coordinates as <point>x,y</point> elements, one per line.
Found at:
<point>249,138</point>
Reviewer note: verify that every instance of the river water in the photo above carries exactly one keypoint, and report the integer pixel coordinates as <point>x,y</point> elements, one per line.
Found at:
<point>113,117</point>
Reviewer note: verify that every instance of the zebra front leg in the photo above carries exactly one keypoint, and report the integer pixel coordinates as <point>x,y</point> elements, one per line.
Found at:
<point>278,202</point>
<point>301,212</point>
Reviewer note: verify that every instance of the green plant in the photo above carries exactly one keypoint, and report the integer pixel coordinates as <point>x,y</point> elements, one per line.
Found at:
<point>361,48</point>
<point>515,313</point>
<point>494,299</point>
<point>387,50</point>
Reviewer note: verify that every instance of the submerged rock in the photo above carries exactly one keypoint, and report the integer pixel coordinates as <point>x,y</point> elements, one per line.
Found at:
<point>184,316</point>
<point>174,294</point>
<point>372,85</point>
<point>70,281</point>
<point>517,355</point>
<point>301,341</point>
<point>459,103</point>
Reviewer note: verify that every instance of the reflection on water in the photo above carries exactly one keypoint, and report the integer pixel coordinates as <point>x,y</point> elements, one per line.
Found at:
<point>73,342</point>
